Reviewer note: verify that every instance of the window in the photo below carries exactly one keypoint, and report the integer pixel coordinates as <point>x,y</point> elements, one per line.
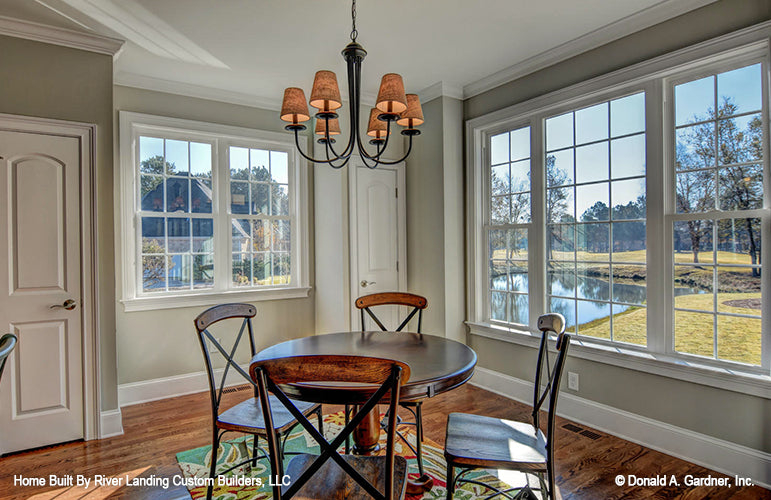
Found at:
<point>635,205</point>
<point>209,210</point>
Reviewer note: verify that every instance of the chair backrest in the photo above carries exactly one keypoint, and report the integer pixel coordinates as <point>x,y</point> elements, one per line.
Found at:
<point>366,302</point>
<point>554,323</point>
<point>370,381</point>
<point>7,343</point>
<point>208,341</point>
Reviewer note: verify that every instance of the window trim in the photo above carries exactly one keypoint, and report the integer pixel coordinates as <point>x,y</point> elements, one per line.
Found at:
<point>221,136</point>
<point>650,76</point>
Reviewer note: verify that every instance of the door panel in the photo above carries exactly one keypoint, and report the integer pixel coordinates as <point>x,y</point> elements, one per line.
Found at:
<point>377,238</point>
<point>41,393</point>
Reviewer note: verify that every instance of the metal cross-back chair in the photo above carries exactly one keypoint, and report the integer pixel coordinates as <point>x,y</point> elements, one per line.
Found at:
<point>418,304</point>
<point>246,416</point>
<point>7,343</point>
<point>329,474</point>
<point>475,441</point>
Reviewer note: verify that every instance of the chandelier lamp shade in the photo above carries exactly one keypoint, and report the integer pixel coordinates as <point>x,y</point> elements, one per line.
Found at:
<point>392,105</point>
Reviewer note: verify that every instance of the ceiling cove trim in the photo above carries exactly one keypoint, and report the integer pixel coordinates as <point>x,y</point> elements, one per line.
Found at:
<point>440,89</point>
<point>59,36</point>
<point>660,12</point>
<point>135,80</point>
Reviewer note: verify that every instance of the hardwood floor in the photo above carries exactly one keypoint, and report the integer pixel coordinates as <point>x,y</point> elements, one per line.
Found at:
<point>155,432</point>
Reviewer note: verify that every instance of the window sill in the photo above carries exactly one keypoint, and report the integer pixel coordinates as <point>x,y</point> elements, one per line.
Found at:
<point>151,303</point>
<point>728,378</point>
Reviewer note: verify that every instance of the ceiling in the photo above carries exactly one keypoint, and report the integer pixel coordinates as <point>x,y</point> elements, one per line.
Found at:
<point>250,50</point>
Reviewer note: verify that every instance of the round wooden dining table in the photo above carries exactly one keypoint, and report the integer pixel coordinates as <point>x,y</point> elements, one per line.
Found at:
<point>437,365</point>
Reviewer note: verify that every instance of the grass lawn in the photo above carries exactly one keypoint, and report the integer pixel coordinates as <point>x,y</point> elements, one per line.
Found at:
<point>738,338</point>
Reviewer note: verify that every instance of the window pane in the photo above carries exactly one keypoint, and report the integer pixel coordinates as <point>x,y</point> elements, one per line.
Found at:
<point>500,208</point>
<point>559,132</point>
<point>239,163</point>
<point>594,319</point>
<point>567,308</point>
<point>200,160</point>
<point>629,284</point>
<point>177,195</point>
<point>592,282</point>
<point>520,176</point>
<point>627,115</point>
<point>592,123</point>
<point>151,155</point>
<point>203,271</point>
<point>693,288</point>
<point>592,202</point>
<point>740,140</point>
<point>559,205</point>
<point>695,147</point>
<point>738,287</point>
<point>519,309</point>
<point>559,168</point>
<point>561,279</point>
<point>628,199</point>
<point>630,324</point>
<point>627,156</point>
<point>739,339</point>
<point>740,90</point>
<point>279,194</point>
<point>180,270</point>
<point>282,237</point>
<point>239,197</point>
<point>262,268</point>
<point>259,161</point>
<point>592,162</point>
<point>153,235</point>
<point>520,208</point>
<point>202,195</point>
<point>499,149</point>
<point>694,101</point>
<point>695,191</point>
<point>260,198</point>
<point>629,241</point>
<point>178,234</point>
<point>499,306</point>
<point>694,333</point>
<point>562,242</point>
<point>278,167</point>
<point>177,160</point>
<point>151,192</point>
<point>242,235</point>
<point>261,235</point>
<point>520,144</point>
<point>592,242</point>
<point>500,180</point>
<point>281,273</point>
<point>153,273</point>
<point>242,263</point>
<point>738,241</point>
<point>203,235</point>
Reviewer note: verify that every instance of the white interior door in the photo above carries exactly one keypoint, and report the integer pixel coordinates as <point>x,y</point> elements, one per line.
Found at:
<point>378,237</point>
<point>41,393</point>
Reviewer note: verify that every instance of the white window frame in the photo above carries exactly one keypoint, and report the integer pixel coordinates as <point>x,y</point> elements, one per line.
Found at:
<point>221,137</point>
<point>653,77</point>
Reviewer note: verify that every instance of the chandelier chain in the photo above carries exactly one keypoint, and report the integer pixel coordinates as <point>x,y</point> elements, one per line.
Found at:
<point>354,33</point>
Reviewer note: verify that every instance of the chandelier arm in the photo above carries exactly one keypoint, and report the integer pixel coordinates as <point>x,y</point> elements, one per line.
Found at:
<point>409,148</point>
<point>331,148</point>
<point>299,150</point>
<point>328,148</point>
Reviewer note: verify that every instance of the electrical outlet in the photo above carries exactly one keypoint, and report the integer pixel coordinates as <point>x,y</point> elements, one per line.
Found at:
<point>573,381</point>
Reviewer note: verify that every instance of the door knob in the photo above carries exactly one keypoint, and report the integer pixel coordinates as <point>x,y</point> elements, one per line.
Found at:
<point>68,304</point>
<point>364,283</point>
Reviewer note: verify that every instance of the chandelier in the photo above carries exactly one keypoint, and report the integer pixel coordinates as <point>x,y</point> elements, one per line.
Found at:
<point>392,105</point>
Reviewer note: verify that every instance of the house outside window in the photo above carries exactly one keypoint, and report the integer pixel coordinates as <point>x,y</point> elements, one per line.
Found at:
<point>648,197</point>
<point>209,212</point>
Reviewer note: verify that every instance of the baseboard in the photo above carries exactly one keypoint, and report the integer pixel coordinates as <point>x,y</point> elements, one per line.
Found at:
<point>168,387</point>
<point>716,454</point>
<point>111,423</point>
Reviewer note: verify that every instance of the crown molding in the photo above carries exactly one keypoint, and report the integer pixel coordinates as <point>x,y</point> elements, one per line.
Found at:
<point>662,11</point>
<point>59,36</point>
<point>127,79</point>
<point>440,89</point>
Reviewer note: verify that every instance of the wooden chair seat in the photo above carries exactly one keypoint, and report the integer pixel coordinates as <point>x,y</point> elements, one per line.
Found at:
<point>247,417</point>
<point>479,441</point>
<point>338,483</point>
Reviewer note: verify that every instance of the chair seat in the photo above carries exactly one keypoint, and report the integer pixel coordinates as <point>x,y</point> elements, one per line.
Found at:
<point>246,416</point>
<point>332,482</point>
<point>479,441</point>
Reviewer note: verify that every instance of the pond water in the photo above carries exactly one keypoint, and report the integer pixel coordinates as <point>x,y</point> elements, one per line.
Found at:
<point>593,292</point>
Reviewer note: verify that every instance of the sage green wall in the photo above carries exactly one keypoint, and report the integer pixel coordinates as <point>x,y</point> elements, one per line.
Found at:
<point>727,415</point>
<point>162,343</point>
<point>50,81</point>
<point>435,249</point>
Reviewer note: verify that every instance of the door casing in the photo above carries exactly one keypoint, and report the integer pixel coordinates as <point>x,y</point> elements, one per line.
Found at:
<point>86,134</point>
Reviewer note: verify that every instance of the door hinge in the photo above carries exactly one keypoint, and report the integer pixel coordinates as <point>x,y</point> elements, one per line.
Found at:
<point>397,266</point>
<point>396,192</point>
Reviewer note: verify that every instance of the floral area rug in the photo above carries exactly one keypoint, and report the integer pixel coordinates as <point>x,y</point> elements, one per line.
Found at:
<point>195,466</point>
